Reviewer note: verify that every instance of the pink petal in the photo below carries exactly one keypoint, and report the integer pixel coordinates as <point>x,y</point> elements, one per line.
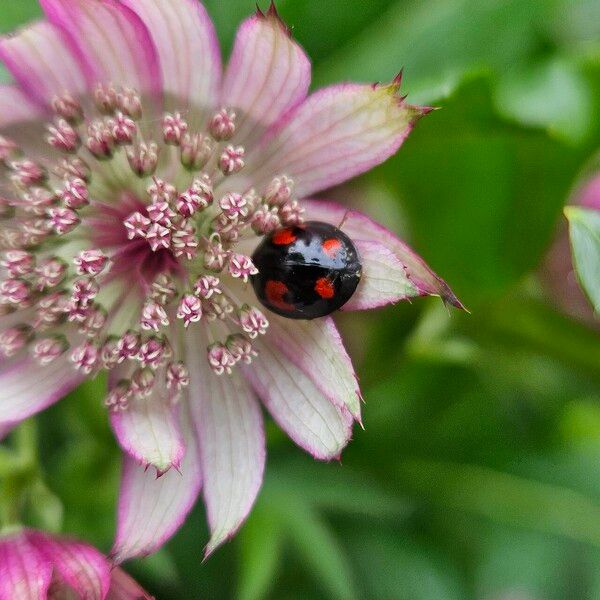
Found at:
<point>268,73</point>
<point>124,587</point>
<point>21,121</point>
<point>39,60</point>
<point>188,51</point>
<point>408,274</point>
<point>149,429</point>
<point>384,279</point>
<point>22,396</point>
<point>231,440</point>
<point>336,134</point>
<point>588,194</point>
<point>316,348</point>
<point>82,568</point>
<point>24,573</point>
<point>297,404</point>
<point>110,42</point>
<point>15,107</point>
<point>152,509</point>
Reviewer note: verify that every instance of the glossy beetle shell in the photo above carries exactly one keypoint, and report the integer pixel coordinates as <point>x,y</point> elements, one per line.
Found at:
<point>306,272</point>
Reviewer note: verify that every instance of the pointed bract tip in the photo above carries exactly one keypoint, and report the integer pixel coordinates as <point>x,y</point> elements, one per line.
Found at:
<point>210,548</point>
<point>272,13</point>
<point>398,79</point>
<point>451,300</point>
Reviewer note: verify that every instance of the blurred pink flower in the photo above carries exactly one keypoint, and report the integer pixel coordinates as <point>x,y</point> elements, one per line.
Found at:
<point>130,217</point>
<point>36,565</point>
<point>558,272</point>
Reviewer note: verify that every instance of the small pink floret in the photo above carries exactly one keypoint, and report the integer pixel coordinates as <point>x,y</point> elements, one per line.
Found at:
<point>232,160</point>
<point>190,310</point>
<point>90,262</point>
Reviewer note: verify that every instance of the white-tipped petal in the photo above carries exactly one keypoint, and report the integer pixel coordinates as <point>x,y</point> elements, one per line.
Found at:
<point>231,439</point>
<point>21,395</point>
<point>151,509</point>
<point>148,429</point>
<point>335,134</point>
<point>316,348</point>
<point>268,74</point>
<point>297,404</point>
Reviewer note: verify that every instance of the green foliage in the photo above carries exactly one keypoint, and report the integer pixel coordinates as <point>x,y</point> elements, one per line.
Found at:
<point>477,475</point>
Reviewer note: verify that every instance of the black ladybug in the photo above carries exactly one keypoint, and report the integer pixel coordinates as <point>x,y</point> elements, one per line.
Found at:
<point>307,271</point>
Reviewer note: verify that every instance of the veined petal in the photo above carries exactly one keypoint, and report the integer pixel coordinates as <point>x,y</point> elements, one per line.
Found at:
<point>22,396</point>
<point>82,568</point>
<point>316,348</point>
<point>336,134</point>
<point>39,60</point>
<point>298,406</point>
<point>109,40</point>
<point>149,428</point>
<point>231,441</point>
<point>152,509</point>
<point>268,74</point>
<point>406,277</point>
<point>124,587</point>
<point>188,51</point>
<point>384,279</point>
<point>15,107</point>
<point>24,573</point>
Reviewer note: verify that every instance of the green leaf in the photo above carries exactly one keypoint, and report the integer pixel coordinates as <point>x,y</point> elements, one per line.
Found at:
<point>46,508</point>
<point>584,227</point>
<point>15,14</point>
<point>552,94</point>
<point>318,547</point>
<point>261,541</point>
<point>392,566</point>
<point>335,488</point>
<point>438,41</point>
<point>527,564</point>
<point>482,211</point>
<point>506,498</point>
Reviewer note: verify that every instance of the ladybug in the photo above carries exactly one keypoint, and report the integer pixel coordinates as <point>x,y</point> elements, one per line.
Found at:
<point>307,271</point>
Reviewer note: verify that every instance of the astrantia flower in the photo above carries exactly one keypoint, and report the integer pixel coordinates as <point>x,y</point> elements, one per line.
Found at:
<point>137,180</point>
<point>37,566</point>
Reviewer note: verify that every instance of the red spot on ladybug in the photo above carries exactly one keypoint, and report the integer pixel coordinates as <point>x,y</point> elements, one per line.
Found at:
<point>275,292</point>
<point>331,246</point>
<point>325,288</point>
<point>283,237</point>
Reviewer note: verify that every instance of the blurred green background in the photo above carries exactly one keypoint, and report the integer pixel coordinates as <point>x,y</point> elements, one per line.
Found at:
<point>478,474</point>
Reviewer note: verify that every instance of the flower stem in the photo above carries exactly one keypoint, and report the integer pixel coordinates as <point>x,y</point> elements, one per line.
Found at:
<point>17,470</point>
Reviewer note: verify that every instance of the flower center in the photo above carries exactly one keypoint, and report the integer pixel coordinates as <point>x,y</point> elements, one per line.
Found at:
<point>122,239</point>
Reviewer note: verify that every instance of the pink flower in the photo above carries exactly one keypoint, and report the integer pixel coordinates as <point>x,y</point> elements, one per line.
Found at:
<point>169,308</point>
<point>35,566</point>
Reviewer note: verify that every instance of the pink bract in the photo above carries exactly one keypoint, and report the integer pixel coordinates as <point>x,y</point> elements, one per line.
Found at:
<point>138,178</point>
<point>35,565</point>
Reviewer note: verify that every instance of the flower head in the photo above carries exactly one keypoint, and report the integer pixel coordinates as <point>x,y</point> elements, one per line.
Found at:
<point>128,229</point>
<point>35,564</point>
